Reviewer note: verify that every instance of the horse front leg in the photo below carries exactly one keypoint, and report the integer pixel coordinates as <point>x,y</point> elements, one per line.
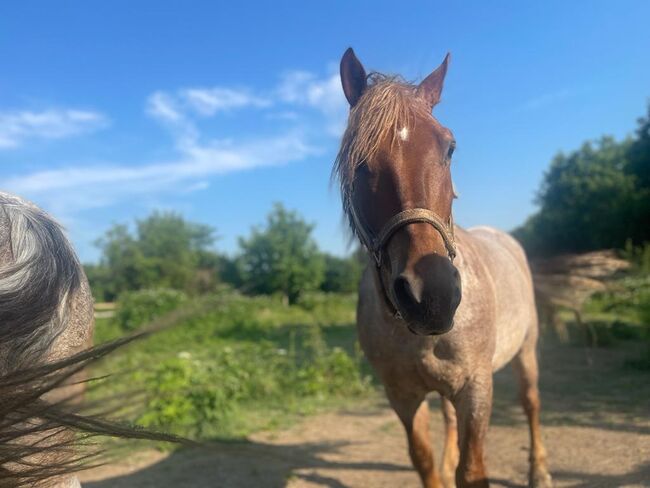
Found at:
<point>450,450</point>
<point>473,407</point>
<point>413,410</point>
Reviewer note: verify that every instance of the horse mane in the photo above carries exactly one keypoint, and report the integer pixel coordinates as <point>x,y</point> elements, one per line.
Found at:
<point>386,106</point>
<point>40,435</point>
<point>41,440</point>
<point>39,272</point>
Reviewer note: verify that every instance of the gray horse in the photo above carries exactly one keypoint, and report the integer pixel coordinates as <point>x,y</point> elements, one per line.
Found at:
<point>394,170</point>
<point>46,314</point>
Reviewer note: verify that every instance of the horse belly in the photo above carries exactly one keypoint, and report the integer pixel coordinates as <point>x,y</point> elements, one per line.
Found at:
<point>509,341</point>
<point>514,297</point>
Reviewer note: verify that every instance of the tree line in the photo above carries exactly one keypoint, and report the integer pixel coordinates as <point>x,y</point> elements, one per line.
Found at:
<point>592,198</point>
<point>596,197</point>
<point>164,250</point>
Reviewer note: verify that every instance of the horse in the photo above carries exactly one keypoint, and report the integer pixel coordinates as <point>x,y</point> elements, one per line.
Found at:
<point>394,171</point>
<point>46,328</point>
<point>46,308</point>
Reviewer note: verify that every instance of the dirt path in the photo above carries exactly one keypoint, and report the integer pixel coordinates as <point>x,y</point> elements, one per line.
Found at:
<point>597,432</point>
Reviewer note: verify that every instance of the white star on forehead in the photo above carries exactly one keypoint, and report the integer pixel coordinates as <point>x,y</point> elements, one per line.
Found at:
<point>404,134</point>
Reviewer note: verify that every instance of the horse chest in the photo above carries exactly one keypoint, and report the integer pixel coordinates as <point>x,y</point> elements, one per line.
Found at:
<point>427,363</point>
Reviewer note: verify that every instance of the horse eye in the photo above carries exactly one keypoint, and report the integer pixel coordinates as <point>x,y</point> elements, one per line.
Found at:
<point>450,151</point>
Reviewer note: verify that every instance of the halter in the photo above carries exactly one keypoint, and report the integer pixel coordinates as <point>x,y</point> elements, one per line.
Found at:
<point>375,243</point>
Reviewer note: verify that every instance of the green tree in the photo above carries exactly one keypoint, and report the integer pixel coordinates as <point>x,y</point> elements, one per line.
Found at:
<point>121,265</point>
<point>342,275</point>
<point>593,198</point>
<point>282,257</point>
<point>639,168</point>
<point>166,251</point>
<point>171,248</point>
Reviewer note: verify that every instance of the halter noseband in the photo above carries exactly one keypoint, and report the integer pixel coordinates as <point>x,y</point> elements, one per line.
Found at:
<point>376,244</point>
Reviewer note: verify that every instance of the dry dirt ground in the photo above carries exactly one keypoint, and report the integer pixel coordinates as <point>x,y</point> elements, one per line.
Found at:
<point>597,432</point>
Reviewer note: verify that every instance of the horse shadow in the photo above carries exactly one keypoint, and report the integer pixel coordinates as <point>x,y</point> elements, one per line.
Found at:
<point>580,386</point>
<point>639,477</point>
<point>244,463</point>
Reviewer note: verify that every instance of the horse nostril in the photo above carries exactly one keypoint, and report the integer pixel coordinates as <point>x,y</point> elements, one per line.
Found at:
<point>405,293</point>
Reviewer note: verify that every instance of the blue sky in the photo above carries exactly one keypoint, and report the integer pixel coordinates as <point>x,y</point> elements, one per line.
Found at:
<point>109,110</point>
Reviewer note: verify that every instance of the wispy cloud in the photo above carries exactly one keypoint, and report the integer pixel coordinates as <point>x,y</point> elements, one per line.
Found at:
<point>542,101</point>
<point>162,106</point>
<point>198,186</point>
<point>199,155</point>
<point>303,88</point>
<point>16,127</point>
<point>101,185</point>
<point>208,101</point>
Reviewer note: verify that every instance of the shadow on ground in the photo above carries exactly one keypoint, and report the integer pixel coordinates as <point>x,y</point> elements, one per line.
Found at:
<point>253,464</point>
<point>594,414</point>
<point>581,386</point>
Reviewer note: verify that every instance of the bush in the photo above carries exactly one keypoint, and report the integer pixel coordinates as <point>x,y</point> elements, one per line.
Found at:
<point>203,396</point>
<point>136,308</point>
<point>182,397</point>
<point>628,300</point>
<point>639,256</point>
<point>247,363</point>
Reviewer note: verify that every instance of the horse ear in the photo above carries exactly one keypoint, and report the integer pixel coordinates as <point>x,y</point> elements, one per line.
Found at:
<point>353,77</point>
<point>431,87</point>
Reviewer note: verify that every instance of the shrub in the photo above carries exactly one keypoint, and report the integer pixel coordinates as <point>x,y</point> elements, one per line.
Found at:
<point>205,395</point>
<point>639,256</point>
<point>136,308</point>
<point>182,397</point>
<point>248,363</point>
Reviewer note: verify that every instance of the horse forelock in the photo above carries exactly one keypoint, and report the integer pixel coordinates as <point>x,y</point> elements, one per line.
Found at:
<point>387,110</point>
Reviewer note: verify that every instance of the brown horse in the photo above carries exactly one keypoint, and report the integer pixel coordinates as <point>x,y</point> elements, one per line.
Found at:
<point>394,170</point>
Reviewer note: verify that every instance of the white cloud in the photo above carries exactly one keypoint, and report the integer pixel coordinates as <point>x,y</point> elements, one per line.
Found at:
<point>295,90</point>
<point>162,106</point>
<point>199,156</point>
<point>103,183</point>
<point>323,94</point>
<point>198,186</point>
<point>542,101</point>
<point>176,107</point>
<point>208,101</point>
<point>304,88</point>
<point>18,126</point>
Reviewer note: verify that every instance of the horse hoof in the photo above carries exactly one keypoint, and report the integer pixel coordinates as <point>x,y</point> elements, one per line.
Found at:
<point>540,479</point>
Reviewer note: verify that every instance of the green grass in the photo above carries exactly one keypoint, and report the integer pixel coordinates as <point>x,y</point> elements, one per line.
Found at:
<point>238,365</point>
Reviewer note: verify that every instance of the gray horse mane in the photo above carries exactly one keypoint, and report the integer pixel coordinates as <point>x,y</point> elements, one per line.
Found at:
<point>26,417</point>
<point>41,437</point>
<point>39,272</point>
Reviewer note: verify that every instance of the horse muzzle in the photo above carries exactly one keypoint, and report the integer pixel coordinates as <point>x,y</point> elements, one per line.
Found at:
<point>427,300</point>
